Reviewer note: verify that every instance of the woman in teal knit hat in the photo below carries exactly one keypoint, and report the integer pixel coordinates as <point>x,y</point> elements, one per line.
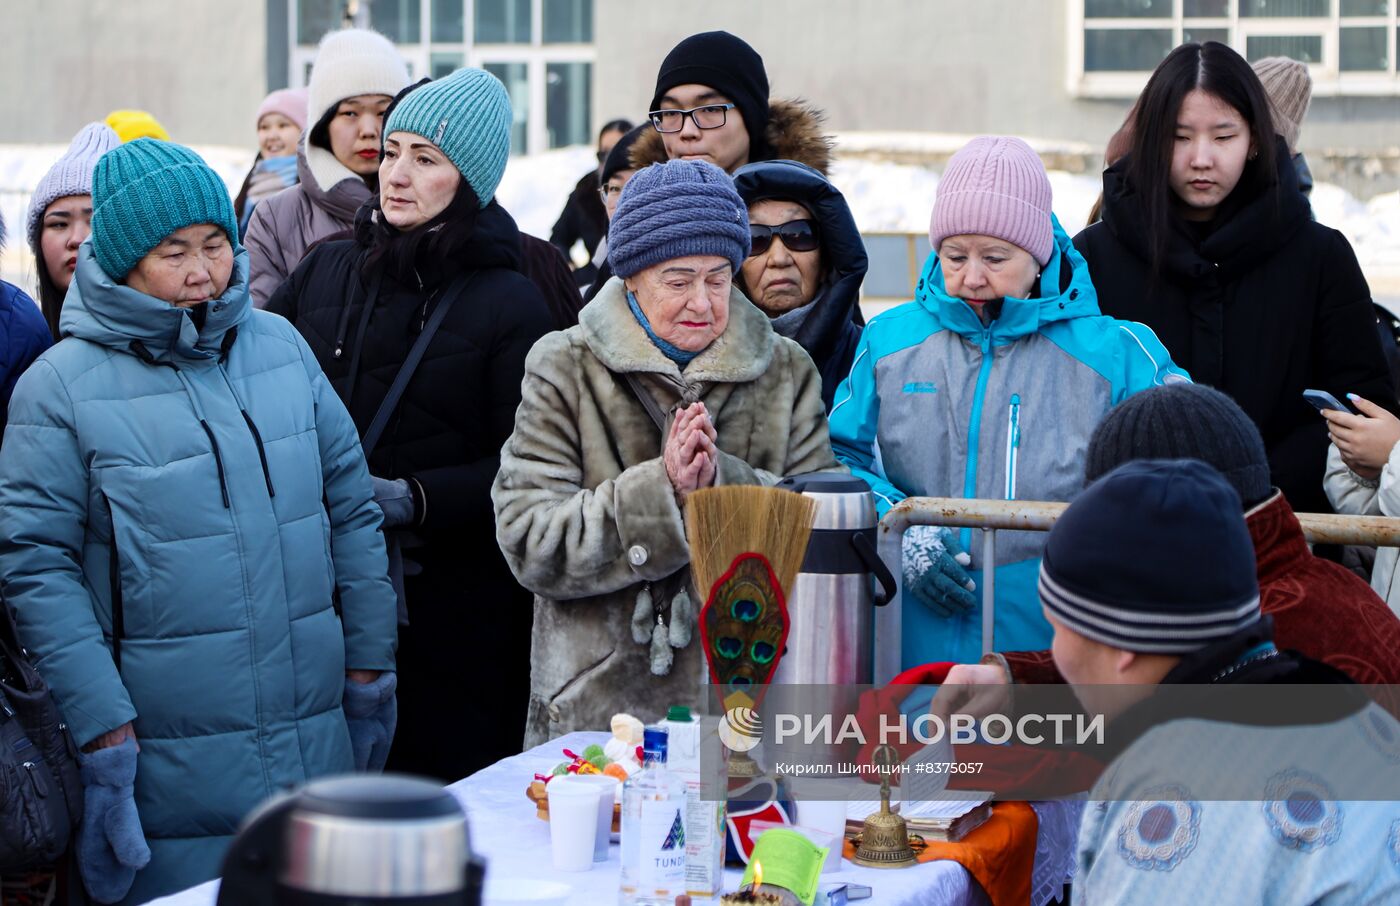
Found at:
<point>176,474</point>
<point>436,237</point>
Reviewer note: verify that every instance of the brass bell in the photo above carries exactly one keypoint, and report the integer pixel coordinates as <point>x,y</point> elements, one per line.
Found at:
<point>884,839</point>
<point>742,767</point>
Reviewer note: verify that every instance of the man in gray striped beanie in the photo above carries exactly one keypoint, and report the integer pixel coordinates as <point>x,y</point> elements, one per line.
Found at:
<point>1211,796</point>
<point>1151,563</point>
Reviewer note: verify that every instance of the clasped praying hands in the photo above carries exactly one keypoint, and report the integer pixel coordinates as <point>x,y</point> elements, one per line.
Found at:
<point>690,454</point>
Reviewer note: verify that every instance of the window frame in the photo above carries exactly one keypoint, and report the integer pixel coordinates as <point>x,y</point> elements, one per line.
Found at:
<point>1328,79</point>
<point>536,56</point>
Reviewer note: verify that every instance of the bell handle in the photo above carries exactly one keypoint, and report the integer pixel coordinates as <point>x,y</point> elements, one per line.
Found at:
<point>865,548</point>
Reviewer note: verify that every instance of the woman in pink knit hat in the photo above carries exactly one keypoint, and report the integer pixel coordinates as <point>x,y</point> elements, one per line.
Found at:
<point>280,119</point>
<point>987,385</point>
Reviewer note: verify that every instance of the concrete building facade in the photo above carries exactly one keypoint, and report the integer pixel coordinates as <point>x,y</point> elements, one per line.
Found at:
<point>1063,71</point>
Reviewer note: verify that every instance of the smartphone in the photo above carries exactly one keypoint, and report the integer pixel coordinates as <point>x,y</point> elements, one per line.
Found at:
<point>1324,400</point>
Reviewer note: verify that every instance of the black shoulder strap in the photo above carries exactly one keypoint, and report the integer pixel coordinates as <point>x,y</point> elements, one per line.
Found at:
<point>410,364</point>
<point>371,299</point>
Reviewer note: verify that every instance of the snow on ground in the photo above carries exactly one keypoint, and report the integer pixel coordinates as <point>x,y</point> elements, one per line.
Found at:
<point>884,196</point>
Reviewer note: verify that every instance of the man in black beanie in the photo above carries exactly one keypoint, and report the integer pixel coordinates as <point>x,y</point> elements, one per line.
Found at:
<point>720,80</point>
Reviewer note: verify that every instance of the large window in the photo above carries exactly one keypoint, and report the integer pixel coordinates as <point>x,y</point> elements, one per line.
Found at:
<point>541,49</point>
<point>1350,45</point>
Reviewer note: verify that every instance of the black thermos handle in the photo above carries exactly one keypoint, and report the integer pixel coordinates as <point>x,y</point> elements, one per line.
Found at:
<point>865,548</point>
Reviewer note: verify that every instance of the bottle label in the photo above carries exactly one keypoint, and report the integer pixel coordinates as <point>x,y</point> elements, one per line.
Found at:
<point>663,847</point>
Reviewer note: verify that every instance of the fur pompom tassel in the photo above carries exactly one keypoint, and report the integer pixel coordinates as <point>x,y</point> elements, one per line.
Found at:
<point>642,616</point>
<point>682,619</point>
<point>661,656</point>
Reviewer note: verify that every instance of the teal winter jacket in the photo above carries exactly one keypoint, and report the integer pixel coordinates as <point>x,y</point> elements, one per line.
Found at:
<point>939,405</point>
<point>210,485</point>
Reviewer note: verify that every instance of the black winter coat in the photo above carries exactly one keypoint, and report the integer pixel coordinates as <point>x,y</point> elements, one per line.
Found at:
<point>831,333</point>
<point>583,218</point>
<point>1268,304</point>
<point>464,658</point>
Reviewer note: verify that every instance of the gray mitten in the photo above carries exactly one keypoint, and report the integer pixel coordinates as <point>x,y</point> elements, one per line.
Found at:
<point>395,498</point>
<point>111,845</point>
<point>372,714</point>
<point>934,571</point>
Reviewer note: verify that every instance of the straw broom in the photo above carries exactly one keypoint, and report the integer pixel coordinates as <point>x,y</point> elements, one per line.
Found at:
<point>747,544</point>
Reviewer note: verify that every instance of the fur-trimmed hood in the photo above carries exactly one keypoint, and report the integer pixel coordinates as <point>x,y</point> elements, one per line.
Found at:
<point>741,354</point>
<point>794,133</point>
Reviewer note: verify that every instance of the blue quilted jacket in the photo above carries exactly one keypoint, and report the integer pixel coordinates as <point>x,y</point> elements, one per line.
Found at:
<point>23,335</point>
<point>207,486</point>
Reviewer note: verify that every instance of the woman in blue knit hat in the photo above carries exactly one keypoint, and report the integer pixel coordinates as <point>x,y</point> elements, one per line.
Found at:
<point>182,499</point>
<point>436,256</point>
<point>671,382</point>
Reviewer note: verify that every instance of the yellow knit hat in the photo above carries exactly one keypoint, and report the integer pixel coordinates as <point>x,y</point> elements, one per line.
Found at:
<point>134,124</point>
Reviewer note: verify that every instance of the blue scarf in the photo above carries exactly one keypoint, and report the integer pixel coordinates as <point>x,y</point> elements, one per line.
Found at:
<point>674,353</point>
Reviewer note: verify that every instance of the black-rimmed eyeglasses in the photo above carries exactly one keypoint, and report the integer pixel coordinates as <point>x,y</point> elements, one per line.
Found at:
<point>709,116</point>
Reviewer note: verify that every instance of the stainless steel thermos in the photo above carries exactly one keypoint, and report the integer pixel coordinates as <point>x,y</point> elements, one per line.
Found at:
<point>354,841</point>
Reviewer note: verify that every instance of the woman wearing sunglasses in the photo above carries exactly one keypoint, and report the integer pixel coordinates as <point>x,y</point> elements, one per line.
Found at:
<point>988,385</point>
<point>806,263</point>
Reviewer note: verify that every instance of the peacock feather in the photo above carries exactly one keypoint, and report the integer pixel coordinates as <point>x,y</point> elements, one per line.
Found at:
<point>744,625</point>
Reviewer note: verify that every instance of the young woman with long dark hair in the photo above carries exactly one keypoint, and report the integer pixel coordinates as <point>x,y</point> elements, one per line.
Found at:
<point>1206,238</point>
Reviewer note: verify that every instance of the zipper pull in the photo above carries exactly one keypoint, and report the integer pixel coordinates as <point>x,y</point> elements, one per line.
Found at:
<point>36,779</point>
<point>1013,444</point>
<point>68,742</point>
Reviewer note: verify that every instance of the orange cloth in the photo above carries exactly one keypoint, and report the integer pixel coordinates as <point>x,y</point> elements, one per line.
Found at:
<point>1000,854</point>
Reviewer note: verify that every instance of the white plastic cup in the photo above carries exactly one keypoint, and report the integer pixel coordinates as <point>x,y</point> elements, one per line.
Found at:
<point>573,824</point>
<point>607,798</point>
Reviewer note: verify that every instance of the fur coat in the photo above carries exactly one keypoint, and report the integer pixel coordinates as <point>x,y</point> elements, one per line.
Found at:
<point>587,518</point>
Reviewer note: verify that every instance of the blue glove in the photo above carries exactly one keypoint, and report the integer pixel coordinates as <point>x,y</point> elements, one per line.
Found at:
<point>372,713</point>
<point>934,571</point>
<point>111,845</point>
<point>395,498</point>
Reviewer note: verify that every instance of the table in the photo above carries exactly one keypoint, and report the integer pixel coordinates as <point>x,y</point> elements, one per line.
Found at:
<point>505,831</point>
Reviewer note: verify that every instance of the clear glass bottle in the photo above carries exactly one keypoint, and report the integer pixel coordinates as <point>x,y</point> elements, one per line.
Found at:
<point>653,830</point>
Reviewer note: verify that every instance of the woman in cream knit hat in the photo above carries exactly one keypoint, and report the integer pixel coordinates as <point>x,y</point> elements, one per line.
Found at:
<point>356,74</point>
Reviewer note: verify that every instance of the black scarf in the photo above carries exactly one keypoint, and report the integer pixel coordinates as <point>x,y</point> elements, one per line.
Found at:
<point>425,256</point>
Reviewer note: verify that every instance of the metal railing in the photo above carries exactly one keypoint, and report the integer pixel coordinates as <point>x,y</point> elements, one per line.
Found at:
<point>992,516</point>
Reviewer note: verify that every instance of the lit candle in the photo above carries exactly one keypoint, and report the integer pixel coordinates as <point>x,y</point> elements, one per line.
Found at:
<point>757,877</point>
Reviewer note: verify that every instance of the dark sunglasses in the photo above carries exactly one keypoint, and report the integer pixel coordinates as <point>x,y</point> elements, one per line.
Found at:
<point>797,236</point>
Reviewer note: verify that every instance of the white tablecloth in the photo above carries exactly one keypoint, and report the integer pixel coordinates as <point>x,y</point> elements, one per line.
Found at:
<point>515,843</point>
